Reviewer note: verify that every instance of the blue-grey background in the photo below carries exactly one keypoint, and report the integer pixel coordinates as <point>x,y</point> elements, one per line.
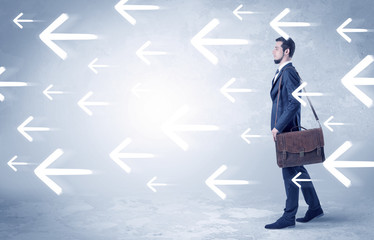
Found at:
<point>112,204</point>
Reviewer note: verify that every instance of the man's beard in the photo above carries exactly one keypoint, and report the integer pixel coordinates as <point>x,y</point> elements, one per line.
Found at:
<point>277,61</point>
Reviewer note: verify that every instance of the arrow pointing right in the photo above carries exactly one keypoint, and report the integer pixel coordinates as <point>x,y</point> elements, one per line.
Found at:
<point>331,164</point>
<point>116,155</point>
<point>350,80</point>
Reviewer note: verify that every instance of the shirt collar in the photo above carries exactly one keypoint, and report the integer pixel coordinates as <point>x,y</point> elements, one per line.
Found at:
<point>283,64</point>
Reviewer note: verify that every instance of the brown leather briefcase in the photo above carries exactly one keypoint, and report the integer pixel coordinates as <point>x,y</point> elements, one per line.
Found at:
<point>300,147</point>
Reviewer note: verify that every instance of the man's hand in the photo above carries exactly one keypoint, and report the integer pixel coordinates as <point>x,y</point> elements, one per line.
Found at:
<point>274,132</point>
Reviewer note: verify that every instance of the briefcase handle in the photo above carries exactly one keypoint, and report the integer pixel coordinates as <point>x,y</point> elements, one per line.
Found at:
<point>297,127</point>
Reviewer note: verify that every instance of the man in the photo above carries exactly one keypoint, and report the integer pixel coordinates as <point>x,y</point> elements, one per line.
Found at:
<point>283,118</point>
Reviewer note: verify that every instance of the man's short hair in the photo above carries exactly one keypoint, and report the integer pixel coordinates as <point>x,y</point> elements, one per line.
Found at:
<point>287,44</point>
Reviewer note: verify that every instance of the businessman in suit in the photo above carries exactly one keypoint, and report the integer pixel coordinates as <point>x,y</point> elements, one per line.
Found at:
<point>283,118</point>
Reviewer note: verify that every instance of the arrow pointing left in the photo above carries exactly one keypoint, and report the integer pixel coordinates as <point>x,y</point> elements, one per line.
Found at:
<point>212,182</point>
<point>275,24</point>
<point>12,164</point>
<point>295,180</point>
<point>9,84</point>
<point>170,127</point>
<point>93,67</point>
<point>342,31</point>
<point>199,42</point>
<point>83,104</point>
<point>151,184</point>
<point>42,172</point>
<point>121,8</point>
<point>22,129</point>
<point>296,94</point>
<point>245,136</point>
<point>225,90</point>
<point>237,13</point>
<point>47,93</point>
<point>17,20</point>
<point>141,53</point>
<point>47,36</point>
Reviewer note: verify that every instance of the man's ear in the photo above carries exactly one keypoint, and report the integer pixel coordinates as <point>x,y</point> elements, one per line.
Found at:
<point>287,51</point>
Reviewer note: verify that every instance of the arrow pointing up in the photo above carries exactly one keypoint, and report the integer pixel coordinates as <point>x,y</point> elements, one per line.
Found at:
<point>170,128</point>
<point>275,24</point>
<point>116,155</point>
<point>22,128</point>
<point>296,94</point>
<point>331,164</point>
<point>83,104</point>
<point>225,90</point>
<point>212,182</point>
<point>342,31</point>
<point>122,8</point>
<point>12,164</point>
<point>141,53</point>
<point>350,80</point>
<point>17,20</point>
<point>42,172</point>
<point>198,41</point>
<point>47,36</point>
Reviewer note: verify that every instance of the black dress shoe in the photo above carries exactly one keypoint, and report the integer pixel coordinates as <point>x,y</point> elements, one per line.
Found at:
<point>280,223</point>
<point>309,215</point>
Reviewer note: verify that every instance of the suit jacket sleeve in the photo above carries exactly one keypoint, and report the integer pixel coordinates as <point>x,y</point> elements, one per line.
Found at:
<point>290,82</point>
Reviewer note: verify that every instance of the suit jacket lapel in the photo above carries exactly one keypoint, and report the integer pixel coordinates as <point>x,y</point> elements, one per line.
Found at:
<point>280,74</point>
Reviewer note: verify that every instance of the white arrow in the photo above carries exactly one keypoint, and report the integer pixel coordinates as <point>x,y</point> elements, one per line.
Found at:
<point>17,21</point>
<point>151,184</point>
<point>47,36</point>
<point>342,31</point>
<point>275,24</point>
<point>83,104</point>
<point>328,124</point>
<point>42,172</point>
<point>225,90</point>
<point>9,84</point>
<point>198,41</point>
<point>122,8</point>
<point>331,165</point>
<point>12,164</point>
<point>296,94</point>
<point>116,155</point>
<point>22,128</point>
<point>245,136</point>
<point>47,93</point>
<point>170,128</point>
<point>141,53</point>
<point>93,67</point>
<point>350,80</point>
<point>136,90</point>
<point>295,180</point>
<point>236,12</point>
<point>212,182</point>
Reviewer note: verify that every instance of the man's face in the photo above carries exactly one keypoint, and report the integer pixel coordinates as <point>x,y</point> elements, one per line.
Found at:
<point>278,52</point>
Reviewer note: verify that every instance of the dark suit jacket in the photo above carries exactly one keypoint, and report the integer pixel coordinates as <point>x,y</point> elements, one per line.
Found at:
<point>288,107</point>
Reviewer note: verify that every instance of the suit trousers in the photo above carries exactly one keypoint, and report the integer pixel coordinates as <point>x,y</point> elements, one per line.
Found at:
<point>292,192</point>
